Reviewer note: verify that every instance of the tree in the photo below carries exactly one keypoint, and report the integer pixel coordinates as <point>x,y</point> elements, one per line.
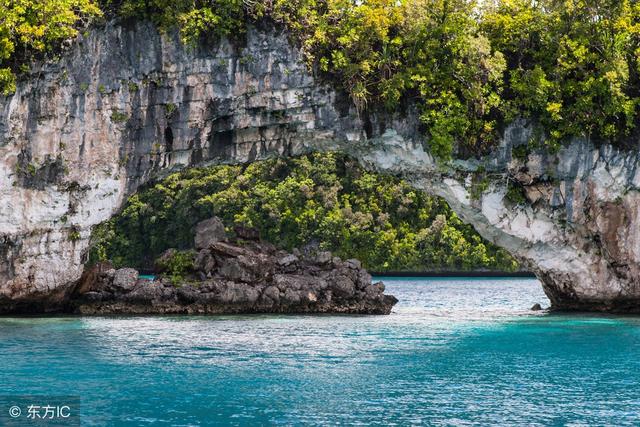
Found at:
<point>30,29</point>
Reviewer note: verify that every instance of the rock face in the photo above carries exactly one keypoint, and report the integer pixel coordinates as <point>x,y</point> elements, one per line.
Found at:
<point>209,232</point>
<point>252,277</point>
<point>575,220</point>
<point>126,104</point>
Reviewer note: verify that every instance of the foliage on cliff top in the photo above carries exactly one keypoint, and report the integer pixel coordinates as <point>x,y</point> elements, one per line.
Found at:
<point>194,18</point>
<point>470,67</point>
<point>322,198</point>
<point>32,28</point>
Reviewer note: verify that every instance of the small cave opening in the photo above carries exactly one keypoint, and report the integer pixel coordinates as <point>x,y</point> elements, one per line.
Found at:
<point>221,143</point>
<point>168,139</point>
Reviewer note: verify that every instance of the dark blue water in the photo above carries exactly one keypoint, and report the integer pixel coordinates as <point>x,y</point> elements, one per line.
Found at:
<point>454,352</point>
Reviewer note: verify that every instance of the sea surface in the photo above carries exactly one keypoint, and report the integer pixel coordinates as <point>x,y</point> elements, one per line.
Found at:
<point>455,351</point>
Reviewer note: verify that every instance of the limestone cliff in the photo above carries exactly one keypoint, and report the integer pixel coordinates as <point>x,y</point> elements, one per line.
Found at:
<point>126,104</point>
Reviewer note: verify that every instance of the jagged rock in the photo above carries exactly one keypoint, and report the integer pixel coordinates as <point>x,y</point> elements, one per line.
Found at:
<point>536,307</point>
<point>125,279</point>
<point>227,250</point>
<point>246,233</point>
<point>92,276</point>
<point>291,297</point>
<point>298,281</point>
<point>364,279</point>
<point>343,286</point>
<point>353,263</point>
<point>238,277</point>
<point>239,294</point>
<point>241,269</point>
<point>310,297</point>
<point>205,262</point>
<point>208,232</point>
<point>287,260</point>
<point>163,260</point>
<point>272,295</point>
<point>323,257</point>
<point>146,292</point>
<point>374,289</point>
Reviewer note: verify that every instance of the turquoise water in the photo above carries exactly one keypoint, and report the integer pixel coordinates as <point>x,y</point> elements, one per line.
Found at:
<point>454,352</point>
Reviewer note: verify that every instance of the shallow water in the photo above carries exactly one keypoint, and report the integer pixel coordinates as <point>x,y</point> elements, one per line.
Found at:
<point>454,352</point>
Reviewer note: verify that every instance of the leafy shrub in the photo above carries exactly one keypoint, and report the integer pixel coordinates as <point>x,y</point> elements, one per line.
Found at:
<point>470,68</point>
<point>195,18</point>
<point>571,65</point>
<point>30,29</point>
<point>118,116</point>
<point>178,265</point>
<point>515,193</point>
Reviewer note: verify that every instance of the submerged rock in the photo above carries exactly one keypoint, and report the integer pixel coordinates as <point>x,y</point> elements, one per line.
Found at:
<point>236,277</point>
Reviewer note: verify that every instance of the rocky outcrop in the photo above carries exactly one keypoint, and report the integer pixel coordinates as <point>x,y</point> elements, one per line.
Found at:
<point>571,216</point>
<point>233,277</point>
<point>127,104</point>
<point>209,232</point>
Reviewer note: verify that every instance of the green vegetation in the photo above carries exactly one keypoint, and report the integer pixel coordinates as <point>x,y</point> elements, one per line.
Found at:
<point>170,109</point>
<point>74,235</point>
<point>430,51</point>
<point>118,116</point>
<point>30,29</point>
<point>470,67</point>
<point>521,152</point>
<point>323,198</point>
<point>572,65</point>
<point>195,18</point>
<point>176,265</point>
<point>515,193</point>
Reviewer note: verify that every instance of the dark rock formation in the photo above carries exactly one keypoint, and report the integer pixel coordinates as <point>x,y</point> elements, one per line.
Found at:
<point>246,233</point>
<point>209,232</point>
<point>237,277</point>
